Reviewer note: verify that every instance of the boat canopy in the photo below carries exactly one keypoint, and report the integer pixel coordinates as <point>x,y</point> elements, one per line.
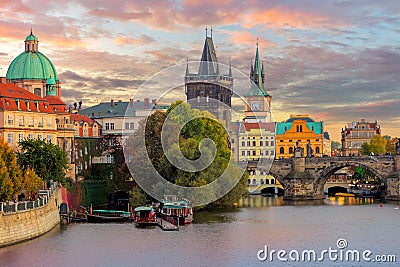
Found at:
<point>142,208</point>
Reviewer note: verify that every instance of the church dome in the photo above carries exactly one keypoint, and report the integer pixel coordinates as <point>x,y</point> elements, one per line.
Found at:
<point>31,64</point>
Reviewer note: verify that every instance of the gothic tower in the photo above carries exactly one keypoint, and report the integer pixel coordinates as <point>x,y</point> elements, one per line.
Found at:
<point>258,101</point>
<point>208,89</point>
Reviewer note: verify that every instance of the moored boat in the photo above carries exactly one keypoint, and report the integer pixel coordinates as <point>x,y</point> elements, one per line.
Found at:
<point>144,216</point>
<point>176,210</point>
<point>105,216</point>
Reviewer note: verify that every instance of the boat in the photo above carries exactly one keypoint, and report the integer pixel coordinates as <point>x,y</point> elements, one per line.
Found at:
<point>105,216</point>
<point>176,211</point>
<point>144,216</point>
<point>344,195</point>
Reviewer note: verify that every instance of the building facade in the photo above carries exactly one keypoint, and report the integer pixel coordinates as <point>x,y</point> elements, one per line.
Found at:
<point>355,134</point>
<point>208,89</point>
<point>300,131</point>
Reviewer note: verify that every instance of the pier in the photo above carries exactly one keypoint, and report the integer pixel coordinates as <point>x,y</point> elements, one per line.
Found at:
<point>166,225</point>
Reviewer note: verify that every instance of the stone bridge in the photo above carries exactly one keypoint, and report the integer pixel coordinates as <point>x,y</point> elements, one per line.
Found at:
<point>304,178</point>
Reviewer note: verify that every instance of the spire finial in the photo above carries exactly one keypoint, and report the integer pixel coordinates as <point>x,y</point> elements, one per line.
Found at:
<point>211,31</point>
<point>31,29</point>
<point>257,42</point>
<point>206,31</point>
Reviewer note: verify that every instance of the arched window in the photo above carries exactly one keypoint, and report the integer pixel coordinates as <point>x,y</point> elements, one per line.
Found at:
<point>266,181</point>
<point>272,181</point>
<point>254,181</point>
<point>317,150</point>
<point>261,181</point>
<point>290,150</point>
<point>301,128</point>
<point>282,150</point>
<point>248,181</point>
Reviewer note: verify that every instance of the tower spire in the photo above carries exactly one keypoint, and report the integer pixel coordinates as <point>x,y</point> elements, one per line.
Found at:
<point>206,32</point>
<point>211,31</point>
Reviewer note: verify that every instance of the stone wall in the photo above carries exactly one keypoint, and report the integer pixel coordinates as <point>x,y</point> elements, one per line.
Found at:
<point>24,225</point>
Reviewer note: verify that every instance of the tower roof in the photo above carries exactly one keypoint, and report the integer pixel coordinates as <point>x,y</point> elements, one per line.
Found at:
<point>31,37</point>
<point>209,63</point>
<point>257,76</point>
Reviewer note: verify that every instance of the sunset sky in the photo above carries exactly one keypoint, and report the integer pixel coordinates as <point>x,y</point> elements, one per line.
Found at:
<point>338,61</point>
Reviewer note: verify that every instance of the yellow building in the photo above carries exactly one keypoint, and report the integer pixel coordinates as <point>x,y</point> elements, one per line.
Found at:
<point>300,131</point>
<point>25,115</point>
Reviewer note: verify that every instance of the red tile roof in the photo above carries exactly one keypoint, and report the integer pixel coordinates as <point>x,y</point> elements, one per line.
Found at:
<point>268,126</point>
<point>10,94</point>
<point>81,118</point>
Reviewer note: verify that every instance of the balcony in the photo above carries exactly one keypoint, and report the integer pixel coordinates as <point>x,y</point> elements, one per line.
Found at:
<point>65,126</point>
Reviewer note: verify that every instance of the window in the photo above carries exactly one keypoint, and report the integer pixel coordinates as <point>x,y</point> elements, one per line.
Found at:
<point>49,138</point>
<point>132,125</point>
<point>107,126</point>
<point>317,150</point>
<point>109,158</point>
<point>261,143</point>
<point>31,123</point>
<point>243,153</point>
<point>80,152</point>
<point>248,153</point>
<point>85,132</point>
<point>254,153</point>
<point>254,181</point>
<point>40,122</point>
<point>290,150</point>
<point>248,181</point>
<point>40,137</point>
<point>10,120</point>
<point>254,143</point>
<point>49,123</point>
<point>272,181</point>
<point>272,143</point>
<point>126,125</point>
<point>243,143</point>
<point>31,136</point>
<point>282,150</point>
<point>20,137</point>
<point>248,143</point>
<point>111,126</point>
<point>261,181</point>
<point>21,121</point>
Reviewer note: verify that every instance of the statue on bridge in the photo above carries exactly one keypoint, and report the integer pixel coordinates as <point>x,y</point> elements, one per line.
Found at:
<point>310,151</point>
<point>298,151</point>
<point>398,147</point>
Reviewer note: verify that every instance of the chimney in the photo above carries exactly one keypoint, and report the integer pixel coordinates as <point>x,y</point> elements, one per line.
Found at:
<point>100,114</point>
<point>92,114</point>
<point>153,101</point>
<point>112,102</point>
<point>131,102</point>
<point>146,101</point>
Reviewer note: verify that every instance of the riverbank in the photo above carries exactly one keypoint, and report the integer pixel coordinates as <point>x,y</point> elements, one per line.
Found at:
<point>22,225</point>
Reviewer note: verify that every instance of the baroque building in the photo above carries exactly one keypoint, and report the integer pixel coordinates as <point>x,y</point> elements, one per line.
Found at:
<point>355,134</point>
<point>300,131</point>
<point>209,89</point>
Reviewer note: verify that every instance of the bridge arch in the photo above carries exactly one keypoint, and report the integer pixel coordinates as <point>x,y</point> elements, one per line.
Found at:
<point>327,172</point>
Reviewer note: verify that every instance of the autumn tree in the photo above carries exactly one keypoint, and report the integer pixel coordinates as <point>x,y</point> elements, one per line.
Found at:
<point>376,145</point>
<point>10,173</point>
<point>32,183</point>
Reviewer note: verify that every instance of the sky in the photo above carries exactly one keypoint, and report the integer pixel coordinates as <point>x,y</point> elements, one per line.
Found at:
<point>336,60</point>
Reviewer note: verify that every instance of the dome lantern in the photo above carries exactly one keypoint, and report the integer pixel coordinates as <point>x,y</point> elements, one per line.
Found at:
<point>31,43</point>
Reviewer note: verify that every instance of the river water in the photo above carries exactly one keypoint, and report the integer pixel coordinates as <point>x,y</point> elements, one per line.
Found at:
<point>228,238</point>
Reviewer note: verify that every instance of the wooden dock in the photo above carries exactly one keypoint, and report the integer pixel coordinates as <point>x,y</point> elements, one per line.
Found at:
<point>166,226</point>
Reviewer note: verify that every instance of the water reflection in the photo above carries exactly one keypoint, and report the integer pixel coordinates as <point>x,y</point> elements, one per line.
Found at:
<point>258,201</point>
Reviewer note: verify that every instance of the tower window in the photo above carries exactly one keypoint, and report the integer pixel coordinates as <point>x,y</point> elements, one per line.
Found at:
<point>282,150</point>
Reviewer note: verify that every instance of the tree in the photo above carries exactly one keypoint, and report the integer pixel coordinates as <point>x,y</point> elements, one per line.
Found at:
<point>335,145</point>
<point>32,182</point>
<point>391,145</point>
<point>200,125</point>
<point>376,145</point>
<point>10,173</point>
<point>49,161</point>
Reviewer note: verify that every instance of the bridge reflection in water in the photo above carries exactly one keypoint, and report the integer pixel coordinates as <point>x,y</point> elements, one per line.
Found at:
<point>258,201</point>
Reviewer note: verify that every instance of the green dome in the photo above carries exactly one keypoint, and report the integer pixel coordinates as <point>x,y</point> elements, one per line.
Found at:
<point>50,81</point>
<point>31,66</point>
<point>31,37</point>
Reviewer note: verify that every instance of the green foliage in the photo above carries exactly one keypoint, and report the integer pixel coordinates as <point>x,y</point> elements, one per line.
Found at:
<point>94,193</point>
<point>391,145</point>
<point>191,137</point>
<point>32,182</point>
<point>377,146</point>
<point>10,173</point>
<point>48,160</point>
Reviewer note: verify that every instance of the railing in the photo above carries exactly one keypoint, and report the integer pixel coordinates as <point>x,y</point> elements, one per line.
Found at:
<point>44,196</point>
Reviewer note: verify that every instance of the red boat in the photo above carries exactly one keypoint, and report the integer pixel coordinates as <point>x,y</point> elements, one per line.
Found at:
<point>144,216</point>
